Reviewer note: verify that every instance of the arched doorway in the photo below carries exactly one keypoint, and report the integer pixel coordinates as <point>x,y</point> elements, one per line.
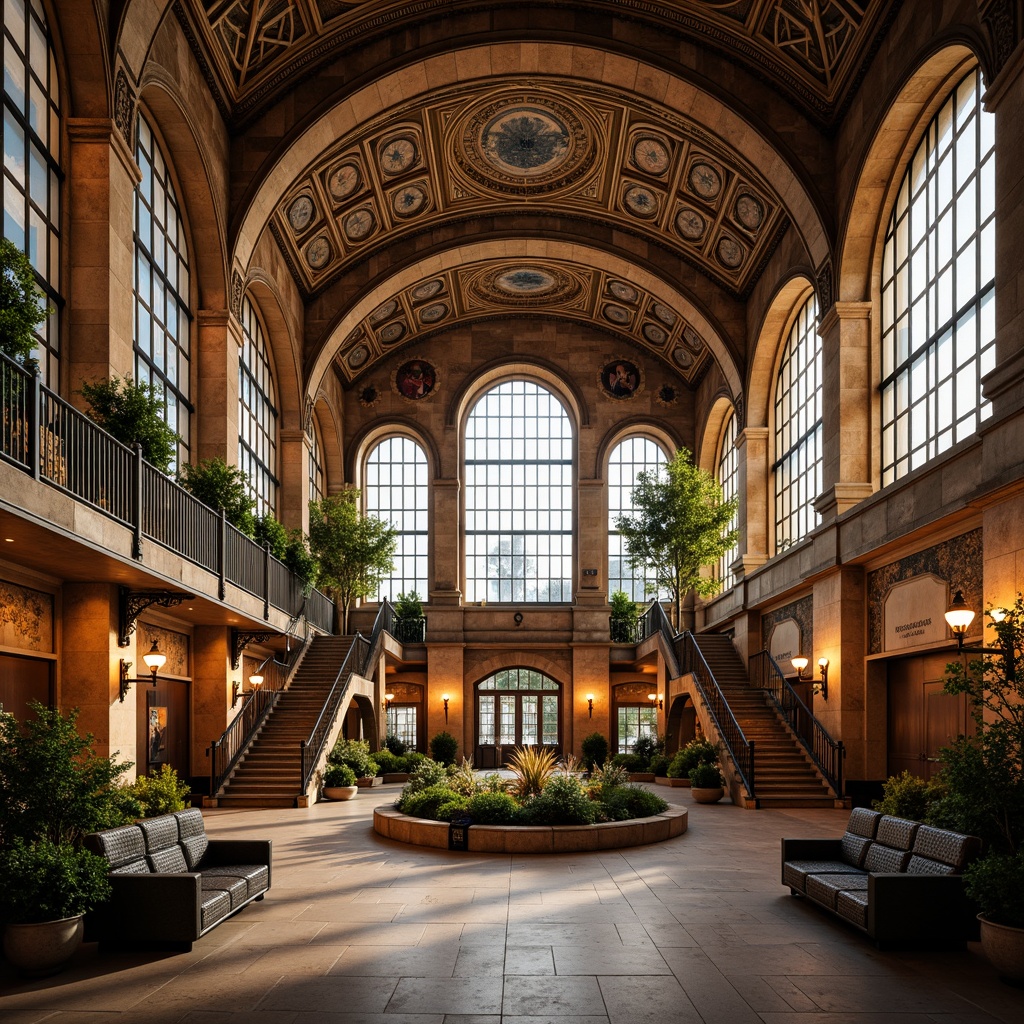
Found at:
<point>516,707</point>
<point>681,725</point>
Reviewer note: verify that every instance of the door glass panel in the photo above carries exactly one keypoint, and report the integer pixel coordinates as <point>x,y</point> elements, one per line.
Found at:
<point>507,720</point>
<point>486,711</point>
<point>402,724</point>
<point>529,733</point>
<point>550,724</point>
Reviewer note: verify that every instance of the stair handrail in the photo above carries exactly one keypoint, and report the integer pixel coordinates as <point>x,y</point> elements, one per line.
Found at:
<point>225,752</point>
<point>654,621</point>
<point>691,660</point>
<point>826,752</point>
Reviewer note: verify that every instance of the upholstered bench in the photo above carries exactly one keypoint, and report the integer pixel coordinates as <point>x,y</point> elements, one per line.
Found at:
<point>894,879</point>
<point>171,883</point>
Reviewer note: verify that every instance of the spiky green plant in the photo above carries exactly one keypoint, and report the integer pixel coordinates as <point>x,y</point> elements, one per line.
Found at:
<point>531,767</point>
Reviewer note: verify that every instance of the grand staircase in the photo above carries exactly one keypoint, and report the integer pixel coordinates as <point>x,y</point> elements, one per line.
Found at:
<point>269,773</point>
<point>784,774</point>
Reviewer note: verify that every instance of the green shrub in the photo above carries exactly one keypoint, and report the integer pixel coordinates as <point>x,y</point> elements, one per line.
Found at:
<point>267,530</point>
<point>161,792</point>
<point>301,561</point>
<point>695,752</point>
<point>443,748</point>
<point>606,778</point>
<point>561,802</point>
<point>414,758</point>
<point>45,881</point>
<point>395,745</point>
<point>408,606</point>
<point>452,808</point>
<point>647,747</point>
<point>425,803</point>
<point>636,801</point>
<point>659,765</point>
<point>493,807</point>
<point>631,762</point>
<point>996,884</point>
<point>387,763</point>
<point>532,767</point>
<point>356,754</point>
<point>494,783</point>
<point>706,776</point>
<point>595,750</point>
<point>337,775</point>
<point>461,777</point>
<point>22,306</point>
<point>906,796</point>
<point>425,774</point>
<point>220,486</point>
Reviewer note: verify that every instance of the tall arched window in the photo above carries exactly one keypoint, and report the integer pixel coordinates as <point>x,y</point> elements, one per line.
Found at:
<point>257,413</point>
<point>162,315</point>
<point>317,485</point>
<point>797,468</point>
<point>519,496</point>
<point>32,161</point>
<point>397,491</point>
<point>728,480</point>
<point>938,287</point>
<point>630,457</point>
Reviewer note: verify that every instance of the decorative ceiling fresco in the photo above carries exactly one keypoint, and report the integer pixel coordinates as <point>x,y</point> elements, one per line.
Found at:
<point>503,287</point>
<point>810,50</point>
<point>543,151</point>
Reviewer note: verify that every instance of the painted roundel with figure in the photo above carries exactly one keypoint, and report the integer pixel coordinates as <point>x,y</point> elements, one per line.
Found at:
<point>621,379</point>
<point>415,380</point>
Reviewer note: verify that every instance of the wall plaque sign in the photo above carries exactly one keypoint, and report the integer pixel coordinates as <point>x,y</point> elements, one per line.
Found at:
<point>913,613</point>
<point>784,645</point>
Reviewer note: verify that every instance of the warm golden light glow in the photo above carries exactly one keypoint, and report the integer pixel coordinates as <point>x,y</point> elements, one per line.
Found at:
<point>958,615</point>
<point>154,659</point>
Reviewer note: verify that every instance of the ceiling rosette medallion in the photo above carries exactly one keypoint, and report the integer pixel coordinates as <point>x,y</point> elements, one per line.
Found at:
<point>524,284</point>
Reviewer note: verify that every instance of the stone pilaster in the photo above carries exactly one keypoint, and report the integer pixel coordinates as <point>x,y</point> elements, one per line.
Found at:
<point>445,674</point>
<point>752,491</point>
<point>293,452</point>
<point>218,342</point>
<point>590,674</point>
<point>445,540</point>
<point>592,542</point>
<point>211,691</point>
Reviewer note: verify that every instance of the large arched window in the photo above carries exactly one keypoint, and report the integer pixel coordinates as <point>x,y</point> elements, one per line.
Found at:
<point>728,479</point>
<point>797,467</point>
<point>397,491</point>
<point>515,707</point>
<point>938,287</point>
<point>162,315</point>
<point>257,413</point>
<point>519,496</point>
<point>32,161</point>
<point>630,457</point>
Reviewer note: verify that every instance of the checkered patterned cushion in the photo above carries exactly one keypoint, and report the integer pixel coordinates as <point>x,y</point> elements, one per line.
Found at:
<point>897,832</point>
<point>948,848</point>
<point>123,847</point>
<point>927,866</point>
<point>885,859</point>
<point>160,833</point>
<point>255,876</point>
<point>169,859</point>
<point>825,888</point>
<point>216,903</point>
<point>853,906</point>
<point>863,822</point>
<point>236,888</point>
<point>192,836</point>
<point>795,872</point>
<point>854,849</point>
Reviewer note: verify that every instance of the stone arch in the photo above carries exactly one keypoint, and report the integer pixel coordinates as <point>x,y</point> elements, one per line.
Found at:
<point>680,723</point>
<point>660,435</point>
<point>711,437</point>
<point>139,22</point>
<point>283,344</point>
<point>397,426</point>
<point>84,69</point>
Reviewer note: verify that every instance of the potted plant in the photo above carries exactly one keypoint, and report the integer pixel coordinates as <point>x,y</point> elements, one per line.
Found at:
<point>695,752</point>
<point>48,888</point>
<point>623,623</point>
<point>356,755</point>
<point>706,784</point>
<point>339,782</point>
<point>410,625</point>
<point>996,884</point>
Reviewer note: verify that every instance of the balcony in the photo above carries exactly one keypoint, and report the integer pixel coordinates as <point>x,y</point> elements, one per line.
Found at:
<point>55,444</point>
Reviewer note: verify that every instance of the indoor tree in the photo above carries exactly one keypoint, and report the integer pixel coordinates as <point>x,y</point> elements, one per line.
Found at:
<point>680,525</point>
<point>355,551</point>
<point>22,307</point>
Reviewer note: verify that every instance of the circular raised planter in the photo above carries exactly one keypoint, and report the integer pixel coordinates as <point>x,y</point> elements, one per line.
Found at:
<point>612,835</point>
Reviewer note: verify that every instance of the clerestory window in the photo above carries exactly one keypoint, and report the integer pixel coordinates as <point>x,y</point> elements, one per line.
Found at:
<point>257,413</point>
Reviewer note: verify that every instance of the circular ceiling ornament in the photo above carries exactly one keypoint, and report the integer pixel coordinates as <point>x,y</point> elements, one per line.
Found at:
<point>525,285</point>
<point>392,332</point>
<point>358,356</point>
<point>654,334</point>
<point>693,339</point>
<point>624,292</point>
<point>683,358</point>
<point>433,313</point>
<point>369,396</point>
<point>344,180</point>
<point>641,201</point>
<point>749,211</point>
<point>359,224</point>
<point>383,311</point>
<point>427,290</point>
<point>616,314</point>
<point>651,155</point>
<point>664,314</point>
<point>409,201</point>
<point>398,154</point>
<point>318,252</point>
<point>729,252</point>
<point>666,395</point>
<point>525,143</point>
<point>690,224</point>
<point>300,213</point>
<point>705,180</point>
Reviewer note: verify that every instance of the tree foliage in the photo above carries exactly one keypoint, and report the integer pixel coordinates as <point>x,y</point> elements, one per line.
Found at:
<point>133,412</point>
<point>22,307</point>
<point>681,525</point>
<point>355,551</point>
<point>220,486</point>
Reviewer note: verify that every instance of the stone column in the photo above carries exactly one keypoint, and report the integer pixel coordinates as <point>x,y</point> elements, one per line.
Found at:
<point>847,422</point>
<point>211,691</point>
<point>102,176</point>
<point>445,543</point>
<point>217,345</point>
<point>590,674</point>
<point>293,451</point>
<point>592,543</point>
<point>445,674</point>
<point>752,491</point>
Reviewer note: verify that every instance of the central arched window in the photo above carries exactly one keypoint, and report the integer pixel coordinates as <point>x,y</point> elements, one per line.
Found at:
<point>728,479</point>
<point>162,348</point>
<point>630,457</point>
<point>257,414</point>
<point>938,287</point>
<point>32,161</point>
<point>519,496</point>
<point>397,491</point>
<point>516,707</point>
<point>797,467</point>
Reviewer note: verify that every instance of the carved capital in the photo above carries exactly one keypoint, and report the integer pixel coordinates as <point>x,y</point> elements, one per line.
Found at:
<point>1002,21</point>
<point>124,108</point>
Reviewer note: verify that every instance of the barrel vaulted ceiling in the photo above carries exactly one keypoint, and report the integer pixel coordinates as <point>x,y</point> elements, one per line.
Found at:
<point>530,157</point>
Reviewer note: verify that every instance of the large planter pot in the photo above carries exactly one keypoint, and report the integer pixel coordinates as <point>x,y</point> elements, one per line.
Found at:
<point>340,792</point>
<point>41,949</point>
<point>1004,947</point>
<point>707,796</point>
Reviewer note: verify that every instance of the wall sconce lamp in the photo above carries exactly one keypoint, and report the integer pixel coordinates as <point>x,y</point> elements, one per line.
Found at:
<point>799,663</point>
<point>590,705</point>
<point>154,659</point>
<point>444,697</point>
<point>237,693</point>
<point>388,698</point>
<point>656,700</point>
<point>959,618</point>
<point>823,672</point>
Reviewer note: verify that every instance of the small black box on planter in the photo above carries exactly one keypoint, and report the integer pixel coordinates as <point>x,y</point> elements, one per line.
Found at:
<point>458,833</point>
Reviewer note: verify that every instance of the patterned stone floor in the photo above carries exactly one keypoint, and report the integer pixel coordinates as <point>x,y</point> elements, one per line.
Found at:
<point>361,930</point>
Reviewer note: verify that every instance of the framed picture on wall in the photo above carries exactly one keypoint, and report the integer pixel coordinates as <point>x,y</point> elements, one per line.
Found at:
<point>157,734</point>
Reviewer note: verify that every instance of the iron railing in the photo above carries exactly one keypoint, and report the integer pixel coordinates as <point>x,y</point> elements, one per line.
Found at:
<point>46,437</point>
<point>824,751</point>
<point>625,629</point>
<point>691,660</point>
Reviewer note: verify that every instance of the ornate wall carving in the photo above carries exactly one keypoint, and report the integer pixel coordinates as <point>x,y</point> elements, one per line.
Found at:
<point>26,618</point>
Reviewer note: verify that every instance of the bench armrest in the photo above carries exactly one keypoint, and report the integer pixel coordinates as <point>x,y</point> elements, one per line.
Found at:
<point>929,908</point>
<point>153,907</point>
